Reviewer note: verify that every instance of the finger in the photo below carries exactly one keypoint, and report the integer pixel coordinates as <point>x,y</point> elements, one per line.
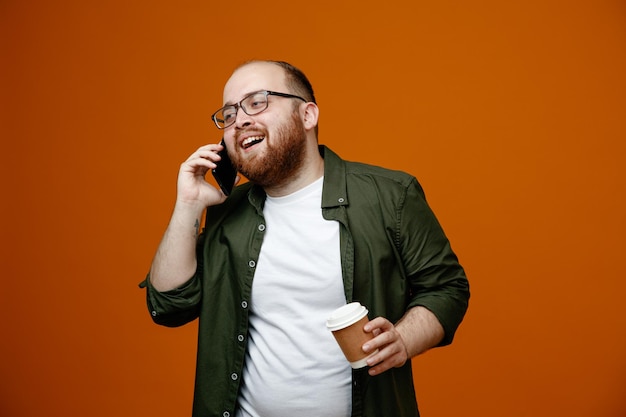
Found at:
<point>392,356</point>
<point>380,341</point>
<point>379,362</point>
<point>378,323</point>
<point>197,166</point>
<point>207,151</point>
<point>200,156</point>
<point>380,367</point>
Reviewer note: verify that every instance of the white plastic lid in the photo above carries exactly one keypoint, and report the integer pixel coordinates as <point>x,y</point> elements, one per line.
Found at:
<point>346,315</point>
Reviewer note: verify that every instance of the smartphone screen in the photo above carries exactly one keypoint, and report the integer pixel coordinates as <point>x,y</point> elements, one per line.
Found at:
<point>225,172</point>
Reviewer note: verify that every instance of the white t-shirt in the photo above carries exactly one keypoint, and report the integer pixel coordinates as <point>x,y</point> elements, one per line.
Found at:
<point>294,366</point>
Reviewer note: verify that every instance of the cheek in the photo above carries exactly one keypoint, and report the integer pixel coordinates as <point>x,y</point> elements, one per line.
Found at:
<point>230,140</point>
<point>229,137</point>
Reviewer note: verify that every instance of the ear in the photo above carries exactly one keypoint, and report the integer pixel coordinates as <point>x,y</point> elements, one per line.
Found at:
<point>310,114</point>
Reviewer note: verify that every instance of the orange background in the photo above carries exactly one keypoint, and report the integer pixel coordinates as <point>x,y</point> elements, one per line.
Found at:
<point>511,114</point>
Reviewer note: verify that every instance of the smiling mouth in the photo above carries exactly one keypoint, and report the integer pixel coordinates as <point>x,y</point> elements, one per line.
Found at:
<point>251,141</point>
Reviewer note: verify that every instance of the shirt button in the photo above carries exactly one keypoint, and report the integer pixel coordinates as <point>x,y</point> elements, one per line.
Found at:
<point>341,200</point>
<point>240,338</point>
<point>244,304</point>
<point>154,313</point>
<point>251,264</point>
<point>226,414</point>
<point>261,227</point>
<point>233,376</point>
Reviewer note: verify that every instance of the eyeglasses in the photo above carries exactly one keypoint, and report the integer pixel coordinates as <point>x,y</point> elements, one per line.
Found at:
<point>251,104</point>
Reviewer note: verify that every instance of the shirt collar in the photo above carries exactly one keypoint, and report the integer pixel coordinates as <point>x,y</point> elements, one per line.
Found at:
<point>334,193</point>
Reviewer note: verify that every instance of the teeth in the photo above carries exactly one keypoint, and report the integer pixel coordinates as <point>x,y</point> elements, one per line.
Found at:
<point>252,139</point>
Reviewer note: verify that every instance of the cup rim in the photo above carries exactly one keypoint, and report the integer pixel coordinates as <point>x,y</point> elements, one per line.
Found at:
<point>346,315</point>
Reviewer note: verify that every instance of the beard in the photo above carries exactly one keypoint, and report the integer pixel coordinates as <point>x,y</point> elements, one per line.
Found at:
<point>282,157</point>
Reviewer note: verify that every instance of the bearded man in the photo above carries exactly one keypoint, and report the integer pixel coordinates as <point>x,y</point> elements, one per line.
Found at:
<point>308,233</point>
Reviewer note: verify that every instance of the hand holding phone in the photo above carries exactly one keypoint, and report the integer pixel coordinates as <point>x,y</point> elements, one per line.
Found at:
<point>225,173</point>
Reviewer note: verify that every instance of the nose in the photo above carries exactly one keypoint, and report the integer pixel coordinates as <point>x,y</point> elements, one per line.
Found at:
<point>242,119</point>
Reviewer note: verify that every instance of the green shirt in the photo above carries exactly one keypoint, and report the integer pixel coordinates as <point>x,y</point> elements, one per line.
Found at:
<point>394,256</point>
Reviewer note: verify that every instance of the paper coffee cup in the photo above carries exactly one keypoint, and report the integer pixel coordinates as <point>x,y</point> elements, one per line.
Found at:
<point>347,323</point>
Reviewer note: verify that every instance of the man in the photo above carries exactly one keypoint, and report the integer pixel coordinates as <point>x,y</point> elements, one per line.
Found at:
<point>308,233</point>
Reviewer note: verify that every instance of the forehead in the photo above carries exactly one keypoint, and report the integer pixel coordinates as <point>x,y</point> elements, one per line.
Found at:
<point>254,77</point>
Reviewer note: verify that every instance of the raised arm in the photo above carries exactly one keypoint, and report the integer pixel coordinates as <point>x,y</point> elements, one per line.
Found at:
<point>175,260</point>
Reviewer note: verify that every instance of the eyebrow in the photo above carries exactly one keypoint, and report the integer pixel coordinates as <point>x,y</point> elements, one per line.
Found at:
<point>244,96</point>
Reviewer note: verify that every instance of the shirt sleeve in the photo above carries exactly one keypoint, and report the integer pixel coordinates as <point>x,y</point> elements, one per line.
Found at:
<point>438,281</point>
<point>175,307</point>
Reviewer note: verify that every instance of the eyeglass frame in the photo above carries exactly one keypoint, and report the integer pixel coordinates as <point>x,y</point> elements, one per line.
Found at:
<point>239,105</point>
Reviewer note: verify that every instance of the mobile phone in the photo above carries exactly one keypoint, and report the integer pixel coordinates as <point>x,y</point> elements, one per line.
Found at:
<point>225,173</point>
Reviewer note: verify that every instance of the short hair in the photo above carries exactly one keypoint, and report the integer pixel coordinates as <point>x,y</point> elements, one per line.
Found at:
<point>296,80</point>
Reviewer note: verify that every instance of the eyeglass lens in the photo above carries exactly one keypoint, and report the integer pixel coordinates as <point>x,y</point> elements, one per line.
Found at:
<point>252,104</point>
